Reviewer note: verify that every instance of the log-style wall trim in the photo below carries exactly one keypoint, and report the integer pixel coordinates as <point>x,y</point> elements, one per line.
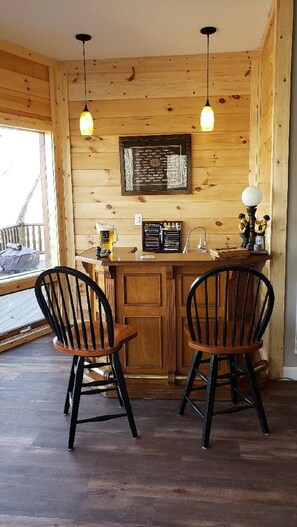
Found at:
<point>60,122</point>
<point>265,125</point>
<point>65,198</point>
<point>279,174</point>
<point>254,124</point>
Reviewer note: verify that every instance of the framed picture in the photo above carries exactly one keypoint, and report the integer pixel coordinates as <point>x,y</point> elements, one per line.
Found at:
<point>157,164</point>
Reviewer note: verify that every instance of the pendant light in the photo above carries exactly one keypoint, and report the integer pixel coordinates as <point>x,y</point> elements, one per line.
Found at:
<point>86,124</point>
<point>207,115</point>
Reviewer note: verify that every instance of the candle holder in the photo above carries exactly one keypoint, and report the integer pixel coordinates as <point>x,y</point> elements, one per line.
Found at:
<point>251,197</point>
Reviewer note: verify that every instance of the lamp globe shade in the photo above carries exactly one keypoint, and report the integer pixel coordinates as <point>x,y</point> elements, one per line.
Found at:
<point>251,196</point>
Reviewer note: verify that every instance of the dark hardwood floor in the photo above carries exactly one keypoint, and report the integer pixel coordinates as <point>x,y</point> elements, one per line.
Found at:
<point>162,479</point>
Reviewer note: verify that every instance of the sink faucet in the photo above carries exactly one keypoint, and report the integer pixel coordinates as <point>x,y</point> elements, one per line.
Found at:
<point>201,244</point>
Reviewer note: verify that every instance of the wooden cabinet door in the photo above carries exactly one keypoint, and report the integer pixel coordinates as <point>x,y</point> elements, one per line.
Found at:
<point>141,301</point>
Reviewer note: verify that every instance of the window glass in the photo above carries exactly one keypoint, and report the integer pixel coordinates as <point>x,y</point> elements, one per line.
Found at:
<point>27,213</point>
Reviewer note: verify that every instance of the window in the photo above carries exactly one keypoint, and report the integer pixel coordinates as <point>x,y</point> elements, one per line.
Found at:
<point>27,213</point>
<point>28,225</point>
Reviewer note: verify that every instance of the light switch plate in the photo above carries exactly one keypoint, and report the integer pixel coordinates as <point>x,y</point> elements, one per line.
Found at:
<point>137,219</point>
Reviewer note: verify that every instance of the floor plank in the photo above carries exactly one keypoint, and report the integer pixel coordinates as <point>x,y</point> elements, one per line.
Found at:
<point>163,479</point>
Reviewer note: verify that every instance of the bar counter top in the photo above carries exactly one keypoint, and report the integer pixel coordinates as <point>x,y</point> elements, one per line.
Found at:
<point>132,255</point>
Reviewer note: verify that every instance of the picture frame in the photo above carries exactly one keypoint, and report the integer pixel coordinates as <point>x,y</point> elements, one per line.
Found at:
<point>156,164</point>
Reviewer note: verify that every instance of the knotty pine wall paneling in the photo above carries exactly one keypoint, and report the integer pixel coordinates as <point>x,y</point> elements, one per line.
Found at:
<point>24,87</point>
<point>161,95</point>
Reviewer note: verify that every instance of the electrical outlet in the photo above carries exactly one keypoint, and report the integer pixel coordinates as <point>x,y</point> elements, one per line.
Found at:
<point>137,219</point>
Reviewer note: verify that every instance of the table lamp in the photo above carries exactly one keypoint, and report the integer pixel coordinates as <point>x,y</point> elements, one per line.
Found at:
<point>251,197</point>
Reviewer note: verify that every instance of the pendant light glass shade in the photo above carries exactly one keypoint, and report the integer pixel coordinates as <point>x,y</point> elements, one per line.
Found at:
<point>207,118</point>
<point>86,123</point>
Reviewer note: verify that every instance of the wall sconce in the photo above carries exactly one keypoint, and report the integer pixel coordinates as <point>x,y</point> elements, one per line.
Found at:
<point>207,115</point>
<point>86,124</point>
<point>251,197</point>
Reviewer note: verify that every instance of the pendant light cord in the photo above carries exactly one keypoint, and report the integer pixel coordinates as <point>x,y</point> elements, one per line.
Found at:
<point>207,71</point>
<point>85,77</point>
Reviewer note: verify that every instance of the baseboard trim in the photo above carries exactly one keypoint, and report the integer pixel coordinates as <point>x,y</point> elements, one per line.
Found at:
<point>290,372</point>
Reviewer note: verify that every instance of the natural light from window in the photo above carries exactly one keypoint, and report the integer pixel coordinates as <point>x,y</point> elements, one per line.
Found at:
<point>26,235</point>
<point>28,225</point>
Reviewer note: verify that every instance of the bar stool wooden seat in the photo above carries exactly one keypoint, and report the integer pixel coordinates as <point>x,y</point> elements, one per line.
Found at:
<point>228,309</point>
<point>67,298</point>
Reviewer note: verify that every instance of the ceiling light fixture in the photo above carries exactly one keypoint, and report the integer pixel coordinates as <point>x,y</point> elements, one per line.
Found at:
<point>207,115</point>
<point>86,124</point>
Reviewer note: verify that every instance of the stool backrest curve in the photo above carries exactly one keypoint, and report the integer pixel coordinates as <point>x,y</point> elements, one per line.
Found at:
<point>76,308</point>
<point>229,306</point>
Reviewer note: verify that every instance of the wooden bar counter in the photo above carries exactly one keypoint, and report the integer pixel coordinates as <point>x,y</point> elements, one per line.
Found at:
<point>151,295</point>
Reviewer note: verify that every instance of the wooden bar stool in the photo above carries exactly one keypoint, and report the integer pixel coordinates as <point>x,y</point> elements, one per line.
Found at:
<point>66,298</point>
<point>228,309</point>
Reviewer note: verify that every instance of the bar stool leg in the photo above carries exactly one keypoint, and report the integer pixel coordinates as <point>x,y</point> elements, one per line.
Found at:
<point>256,393</point>
<point>124,397</point>
<point>76,400</point>
<point>70,385</point>
<point>116,384</point>
<point>209,399</point>
<point>196,359</point>
<point>233,381</point>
